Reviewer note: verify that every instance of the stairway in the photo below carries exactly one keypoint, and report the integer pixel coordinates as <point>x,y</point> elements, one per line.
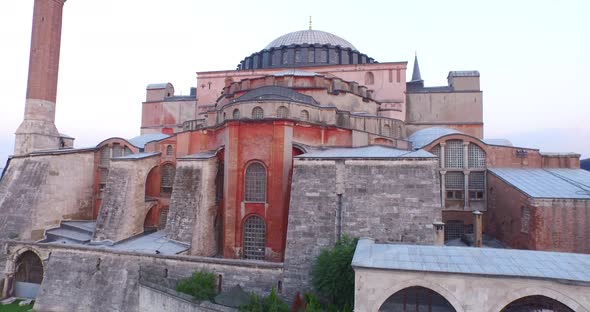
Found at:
<point>71,232</point>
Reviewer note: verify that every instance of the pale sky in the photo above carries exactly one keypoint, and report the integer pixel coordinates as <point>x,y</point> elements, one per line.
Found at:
<point>533,56</point>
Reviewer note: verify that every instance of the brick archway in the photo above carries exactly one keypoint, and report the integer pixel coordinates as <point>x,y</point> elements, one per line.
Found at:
<point>388,292</point>
<point>513,295</point>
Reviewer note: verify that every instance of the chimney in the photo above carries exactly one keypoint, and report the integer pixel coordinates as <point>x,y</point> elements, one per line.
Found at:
<point>477,228</point>
<point>439,233</point>
<point>38,131</point>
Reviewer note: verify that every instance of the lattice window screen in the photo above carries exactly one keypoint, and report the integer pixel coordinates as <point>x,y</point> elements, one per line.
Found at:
<point>127,151</point>
<point>105,156</point>
<point>476,157</point>
<point>163,218</point>
<point>169,150</point>
<point>236,114</point>
<point>254,238</point>
<point>455,181</point>
<point>255,183</point>
<point>477,181</point>
<point>436,151</point>
<point>454,154</point>
<point>454,229</point>
<point>304,115</point>
<point>386,130</point>
<point>167,178</point>
<point>282,112</point>
<point>117,150</point>
<point>257,113</point>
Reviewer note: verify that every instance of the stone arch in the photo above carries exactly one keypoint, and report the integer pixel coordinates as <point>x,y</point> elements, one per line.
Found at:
<point>388,292</point>
<point>513,295</point>
<point>369,78</point>
<point>236,114</point>
<point>257,113</point>
<point>19,271</point>
<point>255,182</point>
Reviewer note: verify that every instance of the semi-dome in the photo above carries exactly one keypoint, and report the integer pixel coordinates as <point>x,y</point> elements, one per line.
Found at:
<point>309,37</point>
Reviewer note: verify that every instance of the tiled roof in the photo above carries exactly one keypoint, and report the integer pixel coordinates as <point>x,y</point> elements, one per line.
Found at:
<point>309,37</point>
<point>424,137</point>
<point>547,183</point>
<point>368,152</point>
<point>275,93</point>
<point>142,140</point>
<point>470,260</point>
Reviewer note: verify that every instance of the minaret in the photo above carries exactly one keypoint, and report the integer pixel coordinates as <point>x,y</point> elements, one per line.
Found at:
<point>38,131</point>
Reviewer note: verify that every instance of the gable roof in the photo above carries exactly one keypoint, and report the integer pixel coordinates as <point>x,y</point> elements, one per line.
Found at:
<point>547,183</point>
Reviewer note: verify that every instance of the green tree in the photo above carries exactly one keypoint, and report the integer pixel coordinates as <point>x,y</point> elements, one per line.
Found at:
<point>200,285</point>
<point>333,276</point>
<point>272,303</point>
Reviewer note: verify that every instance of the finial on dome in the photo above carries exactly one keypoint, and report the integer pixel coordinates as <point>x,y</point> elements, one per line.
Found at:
<point>310,22</point>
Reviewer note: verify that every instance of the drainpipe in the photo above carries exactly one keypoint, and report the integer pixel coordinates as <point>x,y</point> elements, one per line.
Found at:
<point>477,228</point>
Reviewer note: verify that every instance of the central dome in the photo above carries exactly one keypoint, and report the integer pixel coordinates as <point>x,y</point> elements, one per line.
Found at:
<point>309,37</point>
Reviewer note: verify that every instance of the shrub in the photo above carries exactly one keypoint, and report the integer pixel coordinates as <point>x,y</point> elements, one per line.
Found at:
<point>200,285</point>
<point>272,303</point>
<point>333,276</point>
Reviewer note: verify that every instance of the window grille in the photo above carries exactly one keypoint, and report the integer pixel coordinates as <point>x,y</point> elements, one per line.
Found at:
<point>127,151</point>
<point>455,181</point>
<point>163,218</point>
<point>304,115</point>
<point>167,179</point>
<point>454,154</point>
<point>169,150</point>
<point>525,217</point>
<point>311,55</point>
<point>477,181</point>
<point>454,229</point>
<point>257,113</point>
<point>254,238</point>
<point>436,151</point>
<point>255,183</point>
<point>476,157</point>
<point>297,56</point>
<point>105,156</point>
<point>282,112</point>
<point>285,57</point>
<point>324,56</point>
<point>236,114</point>
<point>117,150</point>
<point>387,130</point>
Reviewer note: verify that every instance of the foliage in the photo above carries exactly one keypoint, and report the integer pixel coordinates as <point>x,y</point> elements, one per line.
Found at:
<point>333,276</point>
<point>313,304</point>
<point>200,285</point>
<point>272,303</point>
<point>14,307</point>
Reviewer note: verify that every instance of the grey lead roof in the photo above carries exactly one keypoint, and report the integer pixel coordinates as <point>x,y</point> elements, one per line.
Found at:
<point>426,136</point>
<point>464,73</point>
<point>142,140</point>
<point>296,72</point>
<point>367,152</point>
<point>155,86</point>
<point>275,93</point>
<point>501,142</point>
<point>548,182</point>
<point>309,37</point>
<point>137,156</point>
<point>470,260</point>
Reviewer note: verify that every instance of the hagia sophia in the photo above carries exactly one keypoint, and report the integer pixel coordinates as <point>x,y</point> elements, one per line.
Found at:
<point>260,167</point>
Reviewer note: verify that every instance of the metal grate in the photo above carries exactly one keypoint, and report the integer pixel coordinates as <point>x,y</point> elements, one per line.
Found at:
<point>105,156</point>
<point>454,154</point>
<point>282,112</point>
<point>455,181</point>
<point>117,150</point>
<point>167,179</point>
<point>311,56</point>
<point>236,114</point>
<point>476,157</point>
<point>477,181</point>
<point>436,151</point>
<point>304,115</point>
<point>127,151</point>
<point>387,130</point>
<point>169,150</point>
<point>454,229</point>
<point>257,113</point>
<point>163,218</point>
<point>255,183</point>
<point>254,238</point>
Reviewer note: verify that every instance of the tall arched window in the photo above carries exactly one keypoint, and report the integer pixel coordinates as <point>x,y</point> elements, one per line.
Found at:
<point>169,150</point>
<point>105,156</point>
<point>257,113</point>
<point>254,238</point>
<point>536,303</point>
<point>476,157</point>
<point>167,179</point>
<point>454,154</point>
<point>117,150</point>
<point>436,151</point>
<point>417,299</point>
<point>304,115</point>
<point>255,183</point>
<point>282,112</point>
<point>386,130</point>
<point>236,114</point>
<point>369,79</point>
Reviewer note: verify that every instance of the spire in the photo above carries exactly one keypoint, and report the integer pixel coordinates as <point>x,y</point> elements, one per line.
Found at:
<point>416,73</point>
<point>310,22</point>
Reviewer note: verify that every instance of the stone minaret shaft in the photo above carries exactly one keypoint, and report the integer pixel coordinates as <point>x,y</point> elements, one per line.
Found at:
<point>38,131</point>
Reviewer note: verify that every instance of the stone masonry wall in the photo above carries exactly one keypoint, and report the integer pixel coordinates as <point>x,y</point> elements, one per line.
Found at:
<point>388,200</point>
<point>37,192</point>
<point>92,279</point>
<point>124,207</point>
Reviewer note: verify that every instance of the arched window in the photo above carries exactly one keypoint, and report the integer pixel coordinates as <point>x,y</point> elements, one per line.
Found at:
<point>282,112</point>
<point>436,151</point>
<point>416,299</point>
<point>255,183</point>
<point>224,116</point>
<point>454,154</point>
<point>167,179</point>
<point>285,57</point>
<point>386,130</point>
<point>304,115</point>
<point>254,238</point>
<point>536,303</point>
<point>117,150</point>
<point>257,113</point>
<point>169,150</point>
<point>311,55</point>
<point>369,79</point>
<point>476,157</point>
<point>29,268</point>
<point>105,156</point>
<point>127,151</point>
<point>236,114</point>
